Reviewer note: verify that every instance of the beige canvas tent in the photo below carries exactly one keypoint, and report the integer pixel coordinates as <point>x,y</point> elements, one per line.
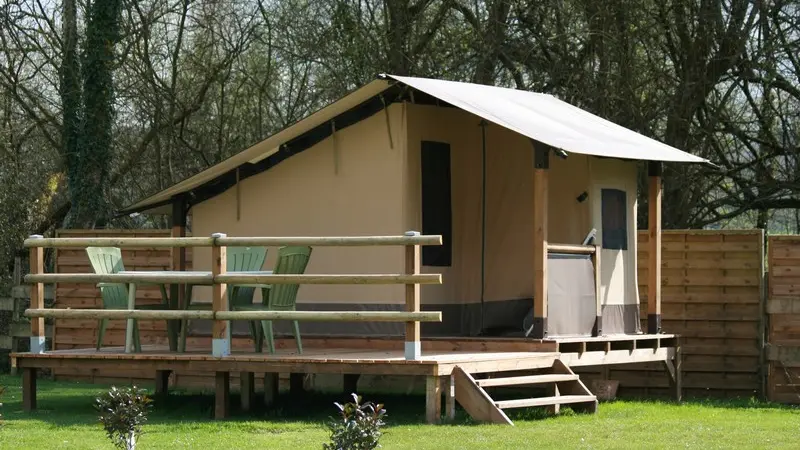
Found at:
<point>497,172</point>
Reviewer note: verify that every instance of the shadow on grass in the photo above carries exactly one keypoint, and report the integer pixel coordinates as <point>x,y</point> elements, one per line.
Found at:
<point>71,404</point>
<point>713,402</point>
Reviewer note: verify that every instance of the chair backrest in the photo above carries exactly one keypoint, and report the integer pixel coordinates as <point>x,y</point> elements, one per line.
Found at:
<point>244,259</point>
<point>106,260</point>
<point>291,260</point>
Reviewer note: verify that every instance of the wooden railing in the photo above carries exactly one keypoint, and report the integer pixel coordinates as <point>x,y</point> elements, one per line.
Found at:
<point>219,280</point>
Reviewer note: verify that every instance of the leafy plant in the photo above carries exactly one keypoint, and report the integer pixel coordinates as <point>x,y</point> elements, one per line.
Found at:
<point>358,426</point>
<point>122,413</point>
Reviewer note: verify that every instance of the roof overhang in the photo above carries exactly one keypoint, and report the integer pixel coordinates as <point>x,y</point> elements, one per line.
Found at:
<point>540,117</point>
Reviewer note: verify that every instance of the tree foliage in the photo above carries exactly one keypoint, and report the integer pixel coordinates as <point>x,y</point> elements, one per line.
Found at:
<point>192,82</point>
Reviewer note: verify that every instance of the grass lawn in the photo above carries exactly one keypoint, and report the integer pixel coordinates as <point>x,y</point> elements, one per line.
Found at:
<point>66,420</point>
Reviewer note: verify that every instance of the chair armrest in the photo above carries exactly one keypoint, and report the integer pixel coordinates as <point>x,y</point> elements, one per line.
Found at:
<point>102,285</point>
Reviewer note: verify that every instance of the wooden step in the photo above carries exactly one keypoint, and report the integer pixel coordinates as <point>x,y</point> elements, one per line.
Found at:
<point>526,380</point>
<point>545,401</point>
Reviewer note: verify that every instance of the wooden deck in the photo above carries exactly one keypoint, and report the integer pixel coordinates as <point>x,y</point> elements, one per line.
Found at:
<point>352,356</point>
<point>313,360</point>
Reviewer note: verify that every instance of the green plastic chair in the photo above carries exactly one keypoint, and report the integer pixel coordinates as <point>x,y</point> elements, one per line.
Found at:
<point>239,259</point>
<point>107,260</point>
<point>283,297</point>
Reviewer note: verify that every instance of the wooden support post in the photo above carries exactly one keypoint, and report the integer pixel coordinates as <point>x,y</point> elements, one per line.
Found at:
<point>413,347</point>
<point>654,244</point>
<point>130,329</point>
<point>37,299</point>
<point>540,194</point>
<point>450,399</point>
<point>433,399</point>
<point>162,382</point>
<point>597,330</point>
<point>270,388</point>
<point>554,392</point>
<point>677,383</point>
<point>247,386</point>
<point>296,387</point>
<point>221,337</point>
<point>28,389</point>
<point>222,395</point>
<point>177,291</point>
<point>350,383</point>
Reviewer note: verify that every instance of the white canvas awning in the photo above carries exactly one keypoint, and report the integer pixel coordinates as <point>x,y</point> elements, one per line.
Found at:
<point>549,120</point>
<point>538,116</point>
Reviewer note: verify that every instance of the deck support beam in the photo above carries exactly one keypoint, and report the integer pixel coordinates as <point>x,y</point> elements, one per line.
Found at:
<point>28,389</point>
<point>540,193</point>
<point>270,388</point>
<point>433,400</point>
<point>296,386</point>
<point>675,371</point>
<point>413,346</point>
<point>222,393</point>
<point>654,251</point>
<point>450,399</point>
<point>221,336</point>
<point>162,382</point>
<point>247,384</point>
<point>350,383</point>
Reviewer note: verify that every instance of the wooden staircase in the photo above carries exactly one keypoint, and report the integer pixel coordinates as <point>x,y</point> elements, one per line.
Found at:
<point>564,386</point>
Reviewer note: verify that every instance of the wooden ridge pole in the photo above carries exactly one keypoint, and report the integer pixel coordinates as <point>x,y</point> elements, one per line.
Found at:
<point>654,244</point>
<point>541,167</point>
<point>220,334</point>
<point>413,347</point>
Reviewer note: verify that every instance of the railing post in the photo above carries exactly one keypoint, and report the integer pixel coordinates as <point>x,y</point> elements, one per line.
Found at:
<point>220,336</point>
<point>37,298</point>
<point>598,321</point>
<point>413,347</point>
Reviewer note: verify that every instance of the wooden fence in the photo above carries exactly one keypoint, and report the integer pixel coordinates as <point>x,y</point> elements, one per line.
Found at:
<point>712,285</point>
<point>783,324</point>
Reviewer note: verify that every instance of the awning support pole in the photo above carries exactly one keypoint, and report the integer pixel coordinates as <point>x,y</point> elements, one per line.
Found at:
<point>483,221</point>
<point>654,251</point>
<point>541,166</point>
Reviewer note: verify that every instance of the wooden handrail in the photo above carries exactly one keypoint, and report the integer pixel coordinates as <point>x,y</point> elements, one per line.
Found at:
<point>203,278</point>
<point>571,249</point>
<point>194,278</point>
<point>241,278</point>
<point>119,314</point>
<point>334,316</point>
<point>167,242</point>
<point>316,316</point>
<point>134,242</point>
<point>340,241</point>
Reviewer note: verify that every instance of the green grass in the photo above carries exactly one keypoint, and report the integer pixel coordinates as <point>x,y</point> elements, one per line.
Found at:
<point>66,420</point>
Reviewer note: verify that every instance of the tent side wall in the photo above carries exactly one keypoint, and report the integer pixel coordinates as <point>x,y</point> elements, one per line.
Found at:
<point>508,256</point>
<point>347,185</point>
<point>508,263</point>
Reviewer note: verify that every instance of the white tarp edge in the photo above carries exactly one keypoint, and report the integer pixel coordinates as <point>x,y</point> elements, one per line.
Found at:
<point>549,120</point>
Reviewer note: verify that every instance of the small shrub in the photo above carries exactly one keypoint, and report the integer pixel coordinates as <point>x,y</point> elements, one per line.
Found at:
<point>2,391</point>
<point>122,413</point>
<point>358,426</point>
